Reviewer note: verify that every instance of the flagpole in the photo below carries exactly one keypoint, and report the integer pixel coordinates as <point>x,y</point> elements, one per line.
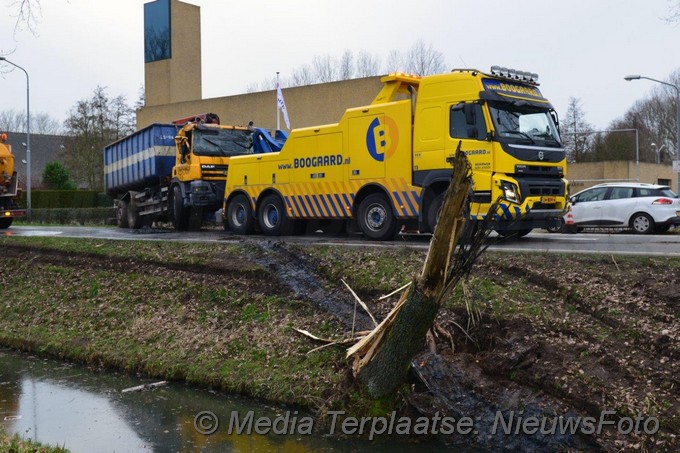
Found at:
<point>278,120</point>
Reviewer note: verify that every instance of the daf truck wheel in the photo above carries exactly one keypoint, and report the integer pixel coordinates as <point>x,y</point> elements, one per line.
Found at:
<point>272,217</point>
<point>133,219</point>
<point>5,223</point>
<point>376,220</point>
<point>180,214</point>
<point>122,214</point>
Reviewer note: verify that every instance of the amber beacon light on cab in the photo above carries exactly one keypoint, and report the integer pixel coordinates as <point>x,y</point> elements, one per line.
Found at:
<point>384,165</point>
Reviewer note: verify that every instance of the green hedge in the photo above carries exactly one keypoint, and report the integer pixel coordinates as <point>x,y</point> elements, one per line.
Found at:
<point>71,216</point>
<point>51,199</point>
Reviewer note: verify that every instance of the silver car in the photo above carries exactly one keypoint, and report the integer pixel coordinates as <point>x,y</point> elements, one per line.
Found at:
<point>644,208</point>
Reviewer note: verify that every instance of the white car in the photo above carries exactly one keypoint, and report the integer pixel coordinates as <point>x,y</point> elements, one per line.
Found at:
<point>644,208</point>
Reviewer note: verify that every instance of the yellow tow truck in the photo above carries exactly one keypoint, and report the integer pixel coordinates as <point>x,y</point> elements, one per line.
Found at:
<point>384,165</point>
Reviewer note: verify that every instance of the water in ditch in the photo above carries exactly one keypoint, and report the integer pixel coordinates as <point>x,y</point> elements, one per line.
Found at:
<point>69,405</point>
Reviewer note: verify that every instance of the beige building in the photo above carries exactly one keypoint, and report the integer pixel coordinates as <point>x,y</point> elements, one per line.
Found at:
<point>307,106</point>
<point>586,174</point>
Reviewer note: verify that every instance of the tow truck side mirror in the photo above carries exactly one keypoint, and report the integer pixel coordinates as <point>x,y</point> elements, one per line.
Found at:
<point>184,149</point>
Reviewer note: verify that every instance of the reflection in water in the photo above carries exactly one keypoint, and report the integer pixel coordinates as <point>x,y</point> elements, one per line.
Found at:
<point>52,410</point>
<point>85,411</point>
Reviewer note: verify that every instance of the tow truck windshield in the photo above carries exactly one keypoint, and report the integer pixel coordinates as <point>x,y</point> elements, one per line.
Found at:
<point>520,122</point>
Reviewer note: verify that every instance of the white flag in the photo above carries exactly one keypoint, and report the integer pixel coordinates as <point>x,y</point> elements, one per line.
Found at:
<point>281,104</point>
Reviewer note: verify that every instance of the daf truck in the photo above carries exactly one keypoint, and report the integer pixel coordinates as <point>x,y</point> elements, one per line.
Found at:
<point>176,172</point>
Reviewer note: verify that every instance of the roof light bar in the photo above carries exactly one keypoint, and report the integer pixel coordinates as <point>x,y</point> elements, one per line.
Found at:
<point>522,76</point>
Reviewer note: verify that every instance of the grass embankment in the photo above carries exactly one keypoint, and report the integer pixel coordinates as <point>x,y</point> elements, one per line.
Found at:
<point>587,333</point>
<point>196,312</point>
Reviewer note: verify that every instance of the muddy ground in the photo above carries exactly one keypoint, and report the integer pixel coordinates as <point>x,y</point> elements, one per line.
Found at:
<point>539,335</point>
<point>534,335</point>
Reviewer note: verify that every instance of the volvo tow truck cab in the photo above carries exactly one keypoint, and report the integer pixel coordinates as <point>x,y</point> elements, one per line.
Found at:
<point>384,165</point>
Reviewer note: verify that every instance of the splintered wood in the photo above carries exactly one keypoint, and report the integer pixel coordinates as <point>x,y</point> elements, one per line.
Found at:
<point>382,358</point>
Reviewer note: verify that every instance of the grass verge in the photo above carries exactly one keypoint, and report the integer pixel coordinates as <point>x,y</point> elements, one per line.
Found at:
<point>15,444</point>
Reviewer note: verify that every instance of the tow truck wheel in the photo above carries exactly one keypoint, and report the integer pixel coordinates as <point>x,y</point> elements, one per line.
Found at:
<point>122,214</point>
<point>433,211</point>
<point>513,234</point>
<point>239,215</point>
<point>180,214</point>
<point>272,217</point>
<point>5,223</point>
<point>376,220</point>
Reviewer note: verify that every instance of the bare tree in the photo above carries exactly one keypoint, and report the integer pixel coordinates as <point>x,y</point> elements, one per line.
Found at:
<point>41,123</point>
<point>92,124</point>
<point>325,69</point>
<point>673,11</point>
<point>12,121</point>
<point>346,68</point>
<point>141,98</point>
<point>28,12</point>
<point>367,64</point>
<point>395,62</point>
<point>423,59</point>
<point>420,59</point>
<point>576,132</point>
<point>302,76</point>
<point>655,119</point>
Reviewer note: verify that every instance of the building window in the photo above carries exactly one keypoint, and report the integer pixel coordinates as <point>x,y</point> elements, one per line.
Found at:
<point>157,31</point>
<point>663,182</point>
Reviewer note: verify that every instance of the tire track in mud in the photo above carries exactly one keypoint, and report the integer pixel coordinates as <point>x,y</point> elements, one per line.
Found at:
<point>573,298</point>
<point>300,276</point>
<point>620,370</point>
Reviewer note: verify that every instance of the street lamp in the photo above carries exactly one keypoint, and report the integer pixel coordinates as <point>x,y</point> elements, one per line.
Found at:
<point>677,116</point>
<point>28,137</point>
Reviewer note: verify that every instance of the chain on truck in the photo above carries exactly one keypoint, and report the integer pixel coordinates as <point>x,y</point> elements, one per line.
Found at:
<point>9,186</point>
<point>176,172</point>
<point>384,165</point>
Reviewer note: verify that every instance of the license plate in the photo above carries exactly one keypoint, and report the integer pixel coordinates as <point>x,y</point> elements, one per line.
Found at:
<point>548,200</point>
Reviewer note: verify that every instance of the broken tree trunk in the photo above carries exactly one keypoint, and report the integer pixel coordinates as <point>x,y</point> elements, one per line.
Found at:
<point>382,358</point>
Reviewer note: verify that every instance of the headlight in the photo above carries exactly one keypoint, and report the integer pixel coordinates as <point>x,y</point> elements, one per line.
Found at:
<point>510,191</point>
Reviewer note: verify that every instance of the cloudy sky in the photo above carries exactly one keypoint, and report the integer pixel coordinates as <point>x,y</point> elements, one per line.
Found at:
<point>579,48</point>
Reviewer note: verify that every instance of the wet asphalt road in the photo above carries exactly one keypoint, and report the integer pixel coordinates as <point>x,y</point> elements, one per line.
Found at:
<point>538,241</point>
